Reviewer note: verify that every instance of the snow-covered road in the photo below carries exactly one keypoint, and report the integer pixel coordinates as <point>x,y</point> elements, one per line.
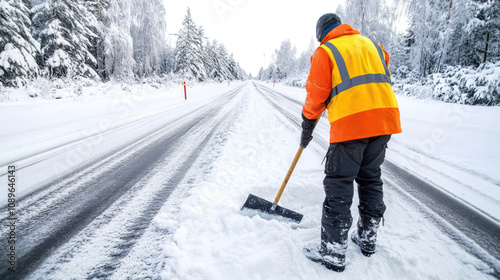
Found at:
<point>151,187</point>
<point>98,211</point>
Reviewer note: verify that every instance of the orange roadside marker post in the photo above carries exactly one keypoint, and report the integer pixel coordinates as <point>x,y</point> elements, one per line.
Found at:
<point>185,94</point>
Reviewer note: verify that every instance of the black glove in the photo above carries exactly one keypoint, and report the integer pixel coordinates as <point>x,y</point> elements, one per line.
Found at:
<point>307,131</point>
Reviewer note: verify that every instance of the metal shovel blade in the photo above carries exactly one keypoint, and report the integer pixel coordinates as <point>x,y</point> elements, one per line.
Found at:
<point>257,203</point>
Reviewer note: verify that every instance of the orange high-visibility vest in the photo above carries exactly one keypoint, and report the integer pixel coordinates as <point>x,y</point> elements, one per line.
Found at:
<point>362,103</point>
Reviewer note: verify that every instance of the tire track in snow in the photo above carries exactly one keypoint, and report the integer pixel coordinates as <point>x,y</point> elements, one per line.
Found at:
<point>273,98</point>
<point>142,222</point>
<point>454,165</point>
<point>44,232</point>
<point>34,159</point>
<point>274,93</point>
<point>473,231</point>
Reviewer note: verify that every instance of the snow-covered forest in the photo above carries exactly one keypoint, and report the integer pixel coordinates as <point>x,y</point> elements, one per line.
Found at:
<point>103,40</point>
<point>447,49</point>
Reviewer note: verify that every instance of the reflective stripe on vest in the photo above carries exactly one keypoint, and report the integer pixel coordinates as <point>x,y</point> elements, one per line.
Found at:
<point>347,82</point>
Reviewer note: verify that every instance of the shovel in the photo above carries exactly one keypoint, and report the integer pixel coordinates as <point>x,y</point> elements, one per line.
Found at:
<point>272,208</point>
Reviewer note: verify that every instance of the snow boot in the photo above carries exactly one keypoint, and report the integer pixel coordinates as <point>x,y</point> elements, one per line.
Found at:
<point>331,252</point>
<point>322,254</point>
<point>365,236</point>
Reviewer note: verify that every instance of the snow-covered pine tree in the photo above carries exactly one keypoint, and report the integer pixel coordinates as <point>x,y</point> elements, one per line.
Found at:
<point>17,47</point>
<point>491,15</point>
<point>148,34</point>
<point>219,65</point>
<point>481,35</point>
<point>304,60</point>
<point>455,16</point>
<point>241,74</point>
<point>64,29</point>
<point>285,59</point>
<point>97,7</point>
<point>426,18</point>
<point>168,60</point>
<point>444,28</point>
<point>400,54</point>
<point>27,3</point>
<point>199,41</point>
<point>223,62</point>
<point>452,32</point>
<point>373,18</point>
<point>270,73</point>
<point>459,14</point>
<point>188,53</point>
<point>211,62</point>
<point>273,73</point>
<point>260,76</point>
<point>233,69</point>
<point>117,61</point>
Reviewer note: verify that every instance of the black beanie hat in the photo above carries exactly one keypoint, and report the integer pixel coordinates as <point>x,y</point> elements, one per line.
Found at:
<point>325,24</point>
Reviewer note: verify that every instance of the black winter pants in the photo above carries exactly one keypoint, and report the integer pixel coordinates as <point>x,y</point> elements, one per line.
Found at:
<point>358,160</point>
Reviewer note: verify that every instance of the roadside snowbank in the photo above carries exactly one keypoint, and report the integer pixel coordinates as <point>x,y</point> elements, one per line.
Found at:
<point>480,86</point>
<point>80,88</point>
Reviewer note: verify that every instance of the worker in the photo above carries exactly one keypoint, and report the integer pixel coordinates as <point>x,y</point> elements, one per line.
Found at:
<point>349,77</point>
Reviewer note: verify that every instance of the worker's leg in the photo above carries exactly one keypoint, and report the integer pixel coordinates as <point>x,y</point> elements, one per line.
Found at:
<point>342,165</point>
<point>371,203</point>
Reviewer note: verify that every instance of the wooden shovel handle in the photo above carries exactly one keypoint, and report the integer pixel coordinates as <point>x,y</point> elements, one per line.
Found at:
<point>292,167</point>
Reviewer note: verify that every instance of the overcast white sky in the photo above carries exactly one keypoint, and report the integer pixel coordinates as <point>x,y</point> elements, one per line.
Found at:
<point>252,28</point>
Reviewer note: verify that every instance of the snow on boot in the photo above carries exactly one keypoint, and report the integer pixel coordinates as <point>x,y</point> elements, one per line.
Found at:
<point>365,236</point>
<point>329,255</point>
